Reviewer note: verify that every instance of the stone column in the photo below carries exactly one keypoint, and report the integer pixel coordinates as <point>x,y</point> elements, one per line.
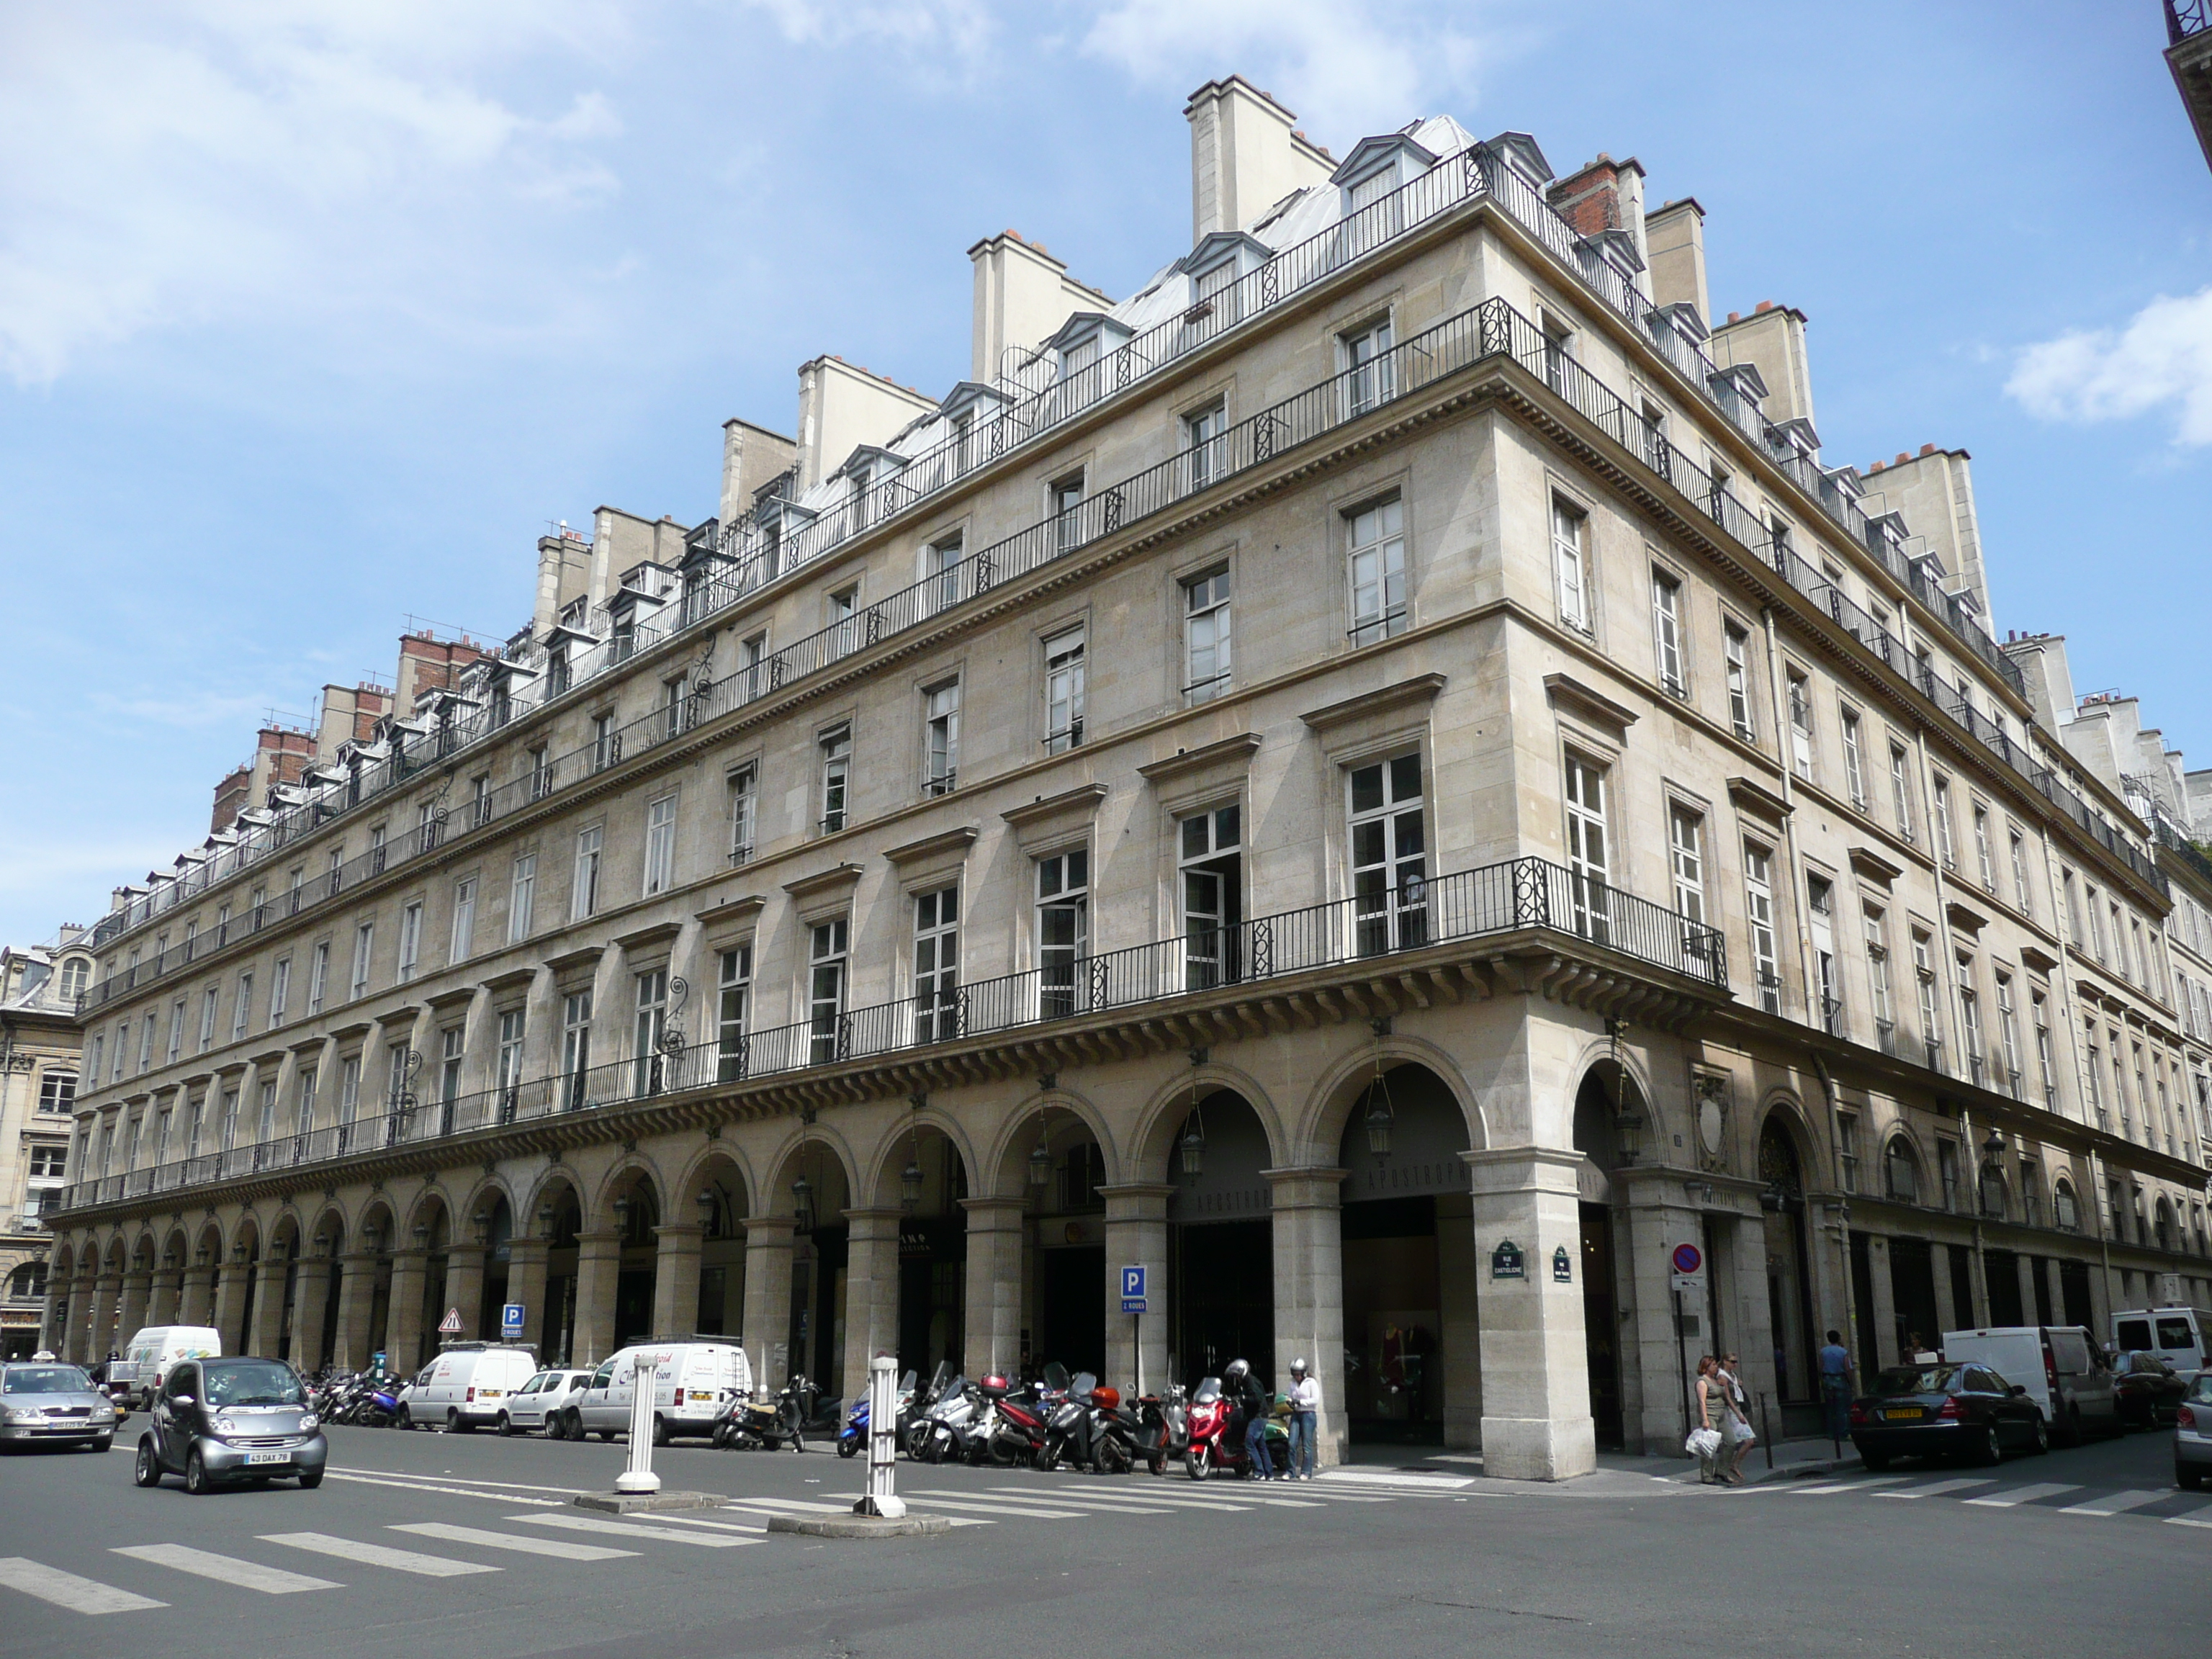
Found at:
<point>994,1286</point>
<point>1309,1291</point>
<point>53,1328</point>
<point>599,1264</point>
<point>268,1330</point>
<point>1884,1300</point>
<point>526,1283</point>
<point>872,1294</point>
<point>676,1277</point>
<point>196,1299</point>
<point>402,1319</point>
<point>357,1306</point>
<point>1137,1235</point>
<point>464,1280</point>
<point>1462,1324</point>
<point>138,1289</point>
<point>310,1301</point>
<point>168,1290</point>
<point>106,1294</point>
<point>1535,1368</point>
<point>768,1296</point>
<point>1657,1220</point>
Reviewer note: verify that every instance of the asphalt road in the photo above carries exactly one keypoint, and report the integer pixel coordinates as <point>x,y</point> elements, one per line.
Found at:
<point>422,1545</point>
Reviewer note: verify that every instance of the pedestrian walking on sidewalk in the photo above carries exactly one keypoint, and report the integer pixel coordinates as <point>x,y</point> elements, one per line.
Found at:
<point>1305,1415</point>
<point>1836,1386</point>
<point>1706,1441</point>
<point>1738,1432</point>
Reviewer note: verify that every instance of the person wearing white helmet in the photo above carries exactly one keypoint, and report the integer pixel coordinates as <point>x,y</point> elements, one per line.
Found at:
<point>1305,1416</point>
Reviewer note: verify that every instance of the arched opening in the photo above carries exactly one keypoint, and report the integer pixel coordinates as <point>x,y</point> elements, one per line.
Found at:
<point>1608,1114</point>
<point>560,1217</point>
<point>245,1263</point>
<point>492,1222</point>
<point>1407,1227</point>
<point>719,1204</point>
<point>284,1260</point>
<point>1788,1264</point>
<point>636,1213</point>
<point>431,1234</point>
<point>1061,1170</point>
<point>815,1195</point>
<point>925,1176</point>
<point>377,1228</point>
<point>1221,1241</point>
<point>329,1243</point>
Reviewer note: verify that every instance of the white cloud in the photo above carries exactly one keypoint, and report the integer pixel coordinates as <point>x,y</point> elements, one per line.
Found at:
<point>1349,68</point>
<point>2163,357</point>
<point>200,160</point>
<point>962,26</point>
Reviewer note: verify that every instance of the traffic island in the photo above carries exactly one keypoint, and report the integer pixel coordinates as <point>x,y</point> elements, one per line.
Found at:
<point>861,1526</point>
<point>636,1503</point>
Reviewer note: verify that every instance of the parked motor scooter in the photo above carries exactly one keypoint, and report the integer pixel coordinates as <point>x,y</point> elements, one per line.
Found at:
<point>1016,1432</point>
<point>1213,1447</point>
<point>913,1421</point>
<point>949,1425</point>
<point>746,1424</point>
<point>1162,1430</point>
<point>852,1437</point>
<point>1067,1430</point>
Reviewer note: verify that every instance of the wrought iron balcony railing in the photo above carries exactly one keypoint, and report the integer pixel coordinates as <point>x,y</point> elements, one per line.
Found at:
<point>1526,893</point>
<point>2186,17</point>
<point>754,555</point>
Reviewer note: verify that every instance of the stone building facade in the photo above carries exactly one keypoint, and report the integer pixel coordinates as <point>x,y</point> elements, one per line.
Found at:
<point>1379,778</point>
<point>38,1040</point>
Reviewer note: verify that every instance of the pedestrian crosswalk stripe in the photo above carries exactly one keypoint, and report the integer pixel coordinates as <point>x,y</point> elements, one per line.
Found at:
<point>1936,1488</point>
<point>2013,1497</point>
<point>1223,1504</point>
<point>1026,1512</point>
<point>522,1496</point>
<point>2118,1503</point>
<point>560,1549</point>
<point>227,1569</point>
<point>2194,1518</point>
<point>66,1589</point>
<point>796,1507</point>
<point>1850,1485</point>
<point>452,1480</point>
<point>662,1519</point>
<point>377,1555</point>
<point>1135,1503</point>
<point>711,1541</point>
<point>1391,1478</point>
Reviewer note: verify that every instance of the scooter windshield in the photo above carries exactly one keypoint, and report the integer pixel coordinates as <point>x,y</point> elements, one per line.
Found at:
<point>1055,1377</point>
<point>1209,1390</point>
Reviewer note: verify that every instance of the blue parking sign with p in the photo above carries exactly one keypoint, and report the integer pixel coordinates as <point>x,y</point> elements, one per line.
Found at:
<point>1132,1290</point>
<point>510,1319</point>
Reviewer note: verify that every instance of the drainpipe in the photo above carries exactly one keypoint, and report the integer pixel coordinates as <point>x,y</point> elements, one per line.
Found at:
<point>1779,702</point>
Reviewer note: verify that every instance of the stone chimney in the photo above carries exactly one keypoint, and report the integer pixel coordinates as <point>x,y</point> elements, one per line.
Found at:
<point>2041,659</point>
<point>1023,294</point>
<point>751,455</point>
<point>231,796</point>
<point>842,406</point>
<point>1675,243</point>
<point>350,715</point>
<point>1246,154</point>
<point>564,571</point>
<point>1772,340</point>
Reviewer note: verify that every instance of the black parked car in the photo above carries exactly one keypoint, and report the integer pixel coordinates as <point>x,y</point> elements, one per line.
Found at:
<point>2150,1390</point>
<point>1941,1410</point>
<point>216,1420</point>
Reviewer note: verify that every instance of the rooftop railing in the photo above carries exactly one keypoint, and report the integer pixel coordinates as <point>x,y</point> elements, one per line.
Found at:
<point>1520,894</point>
<point>759,548</point>
<point>2186,17</point>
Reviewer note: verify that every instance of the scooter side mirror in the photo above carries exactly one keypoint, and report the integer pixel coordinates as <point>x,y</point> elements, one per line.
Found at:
<point>182,1400</point>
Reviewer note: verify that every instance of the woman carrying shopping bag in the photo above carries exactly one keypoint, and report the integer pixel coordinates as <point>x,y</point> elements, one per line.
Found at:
<point>1704,1443</point>
<point>1737,1432</point>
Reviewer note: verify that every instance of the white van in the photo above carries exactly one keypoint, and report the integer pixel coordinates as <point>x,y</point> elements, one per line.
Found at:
<point>2180,1336</point>
<point>2062,1370</point>
<point>696,1377</point>
<point>145,1363</point>
<point>469,1383</point>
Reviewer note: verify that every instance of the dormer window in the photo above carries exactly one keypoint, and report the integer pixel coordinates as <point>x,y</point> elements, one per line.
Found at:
<point>1370,176</point>
<point>1216,267</point>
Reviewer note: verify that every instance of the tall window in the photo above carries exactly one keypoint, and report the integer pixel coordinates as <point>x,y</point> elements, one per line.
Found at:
<point>1820,921</point>
<point>508,1070</point>
<point>836,751</point>
<point>1571,566</point>
<point>1378,571</point>
<point>660,846</point>
<point>75,973</point>
<point>146,1045</point>
<point>2092,1062</point>
<point>242,1011</point>
<point>1877,952</point>
<point>1686,854</point>
<point>1207,656</point>
<point>1066,499</point>
<point>1735,646</point>
<point>1984,859</point>
<point>364,947</point>
<point>521,896</point>
<point>1203,439</point>
<point>465,919</point>
<point>480,801</point>
<point>1931,1022</point>
<point>1369,379</point>
<point>1389,840</point>
<point>208,999</point>
<point>1800,724</point>
<point>745,808</point>
<point>349,1096</point>
<point>1970,1017</point>
<point>734,1011</point>
<point>843,608</point>
<point>57,1092</point>
<point>940,569</point>
<point>937,965</point>
<point>1064,674</point>
<point>940,739</point>
<point>1063,928</point>
<point>1588,849</point>
<point>576,1046</point>
<point>2023,894</point>
<point>410,939</point>
<point>1900,788</point>
<point>825,988</point>
<point>1759,909</point>
<point>584,883</point>
<point>1854,760</point>
<point>280,990</point>
<point>539,766</point>
<point>1666,633</point>
<point>671,705</point>
<point>651,1024</point>
<point>606,743</point>
<point>450,1055</point>
<point>1209,862</point>
<point>177,1013</point>
<point>2046,1064</point>
<point>1847,1149</point>
<point>1944,849</point>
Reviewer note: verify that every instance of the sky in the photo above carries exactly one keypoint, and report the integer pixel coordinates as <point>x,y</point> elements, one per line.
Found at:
<point>314,315</point>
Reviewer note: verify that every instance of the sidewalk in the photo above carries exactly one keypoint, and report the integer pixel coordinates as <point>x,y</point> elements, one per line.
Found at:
<point>1793,1459</point>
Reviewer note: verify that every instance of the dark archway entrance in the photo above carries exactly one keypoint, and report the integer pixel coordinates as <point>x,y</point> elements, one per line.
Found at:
<point>932,1268</point>
<point>1597,1138</point>
<point>1406,1215</point>
<point>1788,1264</point>
<point>561,1218</point>
<point>1221,1242</point>
<point>637,1213</point>
<point>1066,1209</point>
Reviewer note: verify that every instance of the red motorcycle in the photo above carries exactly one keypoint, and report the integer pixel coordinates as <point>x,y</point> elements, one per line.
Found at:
<point>1217,1433</point>
<point>1018,1433</point>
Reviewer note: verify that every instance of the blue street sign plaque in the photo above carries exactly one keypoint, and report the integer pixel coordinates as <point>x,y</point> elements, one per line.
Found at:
<point>510,1319</point>
<point>1132,1291</point>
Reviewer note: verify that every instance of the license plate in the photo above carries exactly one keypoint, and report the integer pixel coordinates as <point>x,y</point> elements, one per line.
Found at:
<point>488,1393</point>
<point>268,1457</point>
<point>1903,1414</point>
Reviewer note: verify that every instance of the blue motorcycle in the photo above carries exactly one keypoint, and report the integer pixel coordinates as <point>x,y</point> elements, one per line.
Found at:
<point>852,1438</point>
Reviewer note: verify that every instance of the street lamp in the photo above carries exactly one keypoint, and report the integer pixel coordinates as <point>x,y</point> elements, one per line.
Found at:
<point>1194,1128</point>
<point>704,1203</point>
<point>1041,1161</point>
<point>802,1203</point>
<point>545,1220</point>
<point>422,1232</point>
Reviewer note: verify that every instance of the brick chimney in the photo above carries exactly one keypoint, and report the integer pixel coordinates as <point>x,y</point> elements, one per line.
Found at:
<point>1606,195</point>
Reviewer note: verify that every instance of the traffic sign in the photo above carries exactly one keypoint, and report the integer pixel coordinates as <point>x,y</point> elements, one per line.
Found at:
<point>1132,1291</point>
<point>510,1319</point>
<point>450,1324</point>
<point>1689,1264</point>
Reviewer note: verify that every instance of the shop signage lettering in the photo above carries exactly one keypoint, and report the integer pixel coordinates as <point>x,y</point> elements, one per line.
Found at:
<point>1505,1262</point>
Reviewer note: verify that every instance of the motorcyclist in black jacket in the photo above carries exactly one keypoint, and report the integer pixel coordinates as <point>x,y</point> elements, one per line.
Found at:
<point>1250,1417</point>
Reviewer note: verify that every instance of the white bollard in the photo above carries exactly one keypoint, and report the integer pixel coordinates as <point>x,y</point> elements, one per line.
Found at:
<point>882,1440</point>
<point>639,1476</point>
